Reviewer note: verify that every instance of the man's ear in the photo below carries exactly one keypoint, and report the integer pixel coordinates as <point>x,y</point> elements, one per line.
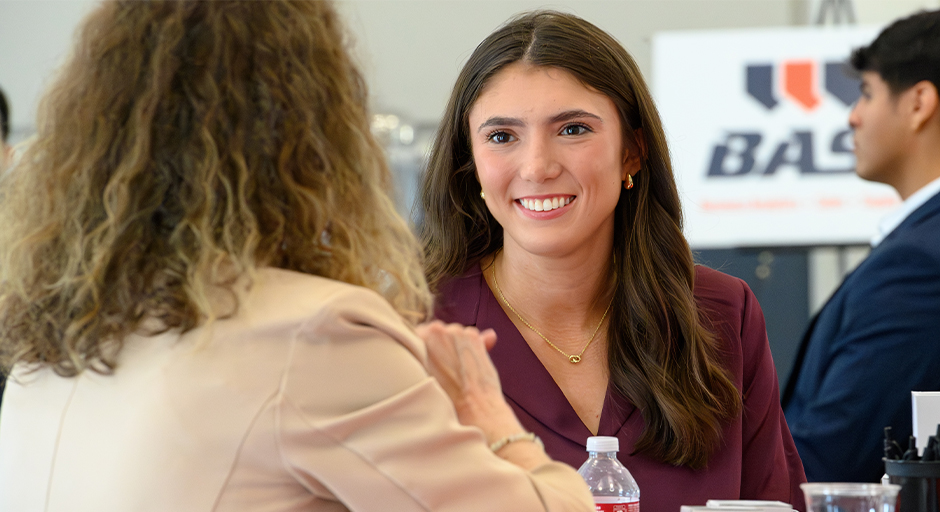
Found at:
<point>925,102</point>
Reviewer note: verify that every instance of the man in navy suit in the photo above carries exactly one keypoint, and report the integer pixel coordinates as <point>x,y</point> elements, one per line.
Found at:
<point>878,337</point>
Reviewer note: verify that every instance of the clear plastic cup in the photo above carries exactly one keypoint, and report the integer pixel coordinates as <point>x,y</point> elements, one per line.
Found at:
<point>850,497</point>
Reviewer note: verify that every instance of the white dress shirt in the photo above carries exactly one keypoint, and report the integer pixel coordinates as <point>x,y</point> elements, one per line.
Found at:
<point>894,219</point>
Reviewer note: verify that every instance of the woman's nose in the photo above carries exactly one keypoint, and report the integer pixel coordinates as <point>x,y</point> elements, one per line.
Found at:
<point>540,161</point>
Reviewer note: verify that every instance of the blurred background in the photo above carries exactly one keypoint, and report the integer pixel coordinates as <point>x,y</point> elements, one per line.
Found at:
<point>412,50</point>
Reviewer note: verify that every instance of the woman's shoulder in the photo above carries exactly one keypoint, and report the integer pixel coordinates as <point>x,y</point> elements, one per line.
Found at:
<point>317,309</point>
<point>296,290</point>
<point>718,291</point>
<point>288,297</point>
<point>457,299</point>
<point>732,311</point>
<point>729,305</point>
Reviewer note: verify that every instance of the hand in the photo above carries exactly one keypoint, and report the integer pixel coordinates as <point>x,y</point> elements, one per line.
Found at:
<point>458,359</point>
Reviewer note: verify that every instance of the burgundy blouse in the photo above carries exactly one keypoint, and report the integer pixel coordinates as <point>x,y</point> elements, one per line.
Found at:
<point>758,460</point>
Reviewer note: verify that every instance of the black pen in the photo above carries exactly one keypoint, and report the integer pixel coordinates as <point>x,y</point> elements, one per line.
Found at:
<point>911,453</point>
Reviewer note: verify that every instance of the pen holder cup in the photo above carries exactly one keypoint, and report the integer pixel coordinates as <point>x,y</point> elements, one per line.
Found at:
<point>918,481</point>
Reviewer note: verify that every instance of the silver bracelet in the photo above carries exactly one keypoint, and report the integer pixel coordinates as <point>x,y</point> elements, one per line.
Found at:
<point>522,436</point>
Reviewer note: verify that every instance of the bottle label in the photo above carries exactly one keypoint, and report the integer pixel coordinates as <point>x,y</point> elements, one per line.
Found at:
<point>633,506</point>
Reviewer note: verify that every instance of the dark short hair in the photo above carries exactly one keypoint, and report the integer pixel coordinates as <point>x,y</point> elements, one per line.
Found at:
<point>905,53</point>
<point>4,117</point>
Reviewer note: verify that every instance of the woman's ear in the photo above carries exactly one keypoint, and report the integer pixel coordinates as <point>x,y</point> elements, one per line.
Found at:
<point>640,142</point>
<point>634,154</point>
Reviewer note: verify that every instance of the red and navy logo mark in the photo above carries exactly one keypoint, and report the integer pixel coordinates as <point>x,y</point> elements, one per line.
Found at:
<point>799,84</point>
<point>737,154</point>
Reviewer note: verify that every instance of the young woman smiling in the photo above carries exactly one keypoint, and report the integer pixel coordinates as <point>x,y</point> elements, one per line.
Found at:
<point>552,217</point>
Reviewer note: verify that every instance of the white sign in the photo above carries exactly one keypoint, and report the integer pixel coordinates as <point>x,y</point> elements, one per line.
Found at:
<point>925,408</point>
<point>757,122</point>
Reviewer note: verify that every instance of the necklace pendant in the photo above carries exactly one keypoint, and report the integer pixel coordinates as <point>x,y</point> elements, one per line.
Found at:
<point>573,358</point>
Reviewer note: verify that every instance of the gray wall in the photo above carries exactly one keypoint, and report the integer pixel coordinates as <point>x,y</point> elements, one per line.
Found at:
<point>411,50</point>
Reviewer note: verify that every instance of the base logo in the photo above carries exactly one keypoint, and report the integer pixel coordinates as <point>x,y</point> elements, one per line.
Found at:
<point>798,82</point>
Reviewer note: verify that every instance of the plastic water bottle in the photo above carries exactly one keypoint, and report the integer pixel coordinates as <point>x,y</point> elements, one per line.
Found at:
<point>613,487</point>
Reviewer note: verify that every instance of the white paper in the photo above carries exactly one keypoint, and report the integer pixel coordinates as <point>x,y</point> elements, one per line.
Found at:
<point>699,508</point>
<point>925,407</point>
<point>747,503</point>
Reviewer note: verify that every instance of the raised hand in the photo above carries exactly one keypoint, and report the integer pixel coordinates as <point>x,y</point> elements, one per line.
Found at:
<point>458,359</point>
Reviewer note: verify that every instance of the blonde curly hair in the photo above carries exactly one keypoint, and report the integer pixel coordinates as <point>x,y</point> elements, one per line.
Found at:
<point>182,146</point>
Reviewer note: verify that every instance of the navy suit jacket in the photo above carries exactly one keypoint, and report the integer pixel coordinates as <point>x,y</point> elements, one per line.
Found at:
<point>876,340</point>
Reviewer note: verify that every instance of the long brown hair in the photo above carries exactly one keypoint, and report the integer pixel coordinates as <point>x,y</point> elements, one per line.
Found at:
<point>662,356</point>
<point>182,146</point>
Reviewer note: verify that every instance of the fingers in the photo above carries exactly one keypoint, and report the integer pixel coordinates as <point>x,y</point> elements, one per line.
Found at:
<point>489,339</point>
<point>458,359</point>
<point>437,332</point>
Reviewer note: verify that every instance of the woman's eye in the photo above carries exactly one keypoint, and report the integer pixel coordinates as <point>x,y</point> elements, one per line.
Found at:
<point>575,129</point>
<point>499,137</point>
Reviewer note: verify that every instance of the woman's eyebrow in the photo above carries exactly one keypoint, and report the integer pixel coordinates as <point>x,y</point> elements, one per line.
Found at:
<point>501,121</point>
<point>558,118</point>
<point>573,114</point>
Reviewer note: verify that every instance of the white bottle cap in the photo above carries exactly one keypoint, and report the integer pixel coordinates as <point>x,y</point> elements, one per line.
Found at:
<point>603,444</point>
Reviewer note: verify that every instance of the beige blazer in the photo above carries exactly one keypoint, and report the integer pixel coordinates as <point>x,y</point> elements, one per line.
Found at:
<point>313,397</point>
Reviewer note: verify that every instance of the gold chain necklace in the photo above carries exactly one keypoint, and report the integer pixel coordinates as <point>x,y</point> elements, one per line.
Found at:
<point>573,358</point>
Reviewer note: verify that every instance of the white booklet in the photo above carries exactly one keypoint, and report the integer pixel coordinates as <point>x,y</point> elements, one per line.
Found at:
<point>740,506</point>
<point>925,412</point>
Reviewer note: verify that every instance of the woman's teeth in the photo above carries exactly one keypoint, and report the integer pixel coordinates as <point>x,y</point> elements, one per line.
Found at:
<point>545,205</point>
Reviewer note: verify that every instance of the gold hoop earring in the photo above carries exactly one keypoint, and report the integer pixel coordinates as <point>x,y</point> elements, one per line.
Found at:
<point>482,195</point>
<point>629,183</point>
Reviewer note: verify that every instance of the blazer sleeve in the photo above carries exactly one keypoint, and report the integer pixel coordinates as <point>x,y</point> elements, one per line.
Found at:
<point>361,422</point>
<point>770,467</point>
<point>886,344</point>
